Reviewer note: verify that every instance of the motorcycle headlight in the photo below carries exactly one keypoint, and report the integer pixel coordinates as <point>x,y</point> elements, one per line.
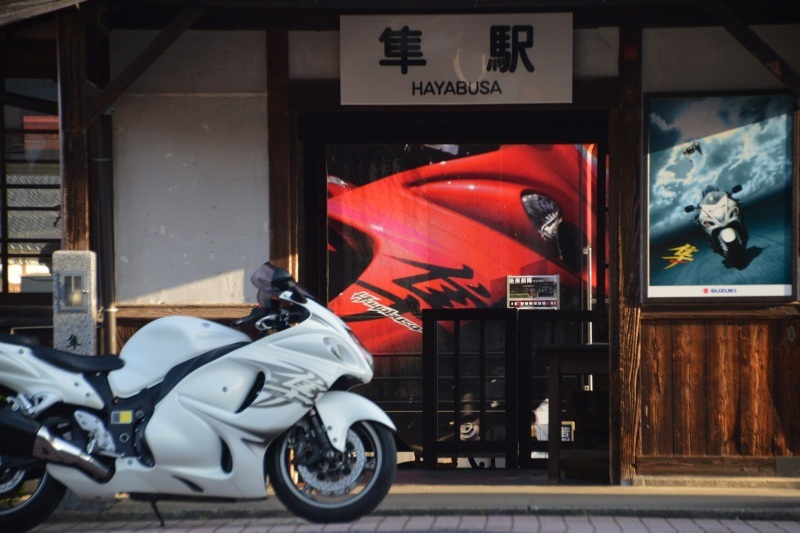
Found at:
<point>544,214</point>
<point>719,214</point>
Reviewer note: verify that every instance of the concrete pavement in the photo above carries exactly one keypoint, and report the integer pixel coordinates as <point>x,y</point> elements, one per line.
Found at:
<point>488,500</point>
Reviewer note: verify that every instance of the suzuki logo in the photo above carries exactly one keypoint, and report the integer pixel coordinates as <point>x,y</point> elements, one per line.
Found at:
<point>706,290</point>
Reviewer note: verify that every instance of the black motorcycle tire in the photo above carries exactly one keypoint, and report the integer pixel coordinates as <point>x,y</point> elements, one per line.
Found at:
<point>40,504</point>
<point>301,498</point>
<point>736,253</point>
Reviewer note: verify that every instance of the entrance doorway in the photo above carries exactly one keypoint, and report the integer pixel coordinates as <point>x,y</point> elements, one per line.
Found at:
<point>450,210</point>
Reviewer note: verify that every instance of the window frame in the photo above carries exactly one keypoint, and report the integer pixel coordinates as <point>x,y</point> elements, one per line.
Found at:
<point>39,106</point>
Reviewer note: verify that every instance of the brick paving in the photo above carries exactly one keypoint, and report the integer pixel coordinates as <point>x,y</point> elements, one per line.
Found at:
<point>438,524</point>
<point>472,501</point>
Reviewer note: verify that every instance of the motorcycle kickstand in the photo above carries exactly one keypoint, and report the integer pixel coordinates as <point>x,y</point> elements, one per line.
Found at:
<point>154,507</point>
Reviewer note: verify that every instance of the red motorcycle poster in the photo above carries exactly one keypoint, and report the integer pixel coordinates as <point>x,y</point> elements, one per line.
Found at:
<point>442,226</point>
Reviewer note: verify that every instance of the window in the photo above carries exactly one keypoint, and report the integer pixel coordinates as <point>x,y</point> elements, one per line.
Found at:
<point>30,203</point>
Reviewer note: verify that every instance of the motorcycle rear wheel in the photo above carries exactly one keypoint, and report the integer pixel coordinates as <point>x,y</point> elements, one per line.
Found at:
<point>28,497</point>
<point>338,490</point>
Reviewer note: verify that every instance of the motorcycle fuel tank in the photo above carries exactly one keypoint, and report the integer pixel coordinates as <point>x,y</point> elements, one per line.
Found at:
<point>164,343</point>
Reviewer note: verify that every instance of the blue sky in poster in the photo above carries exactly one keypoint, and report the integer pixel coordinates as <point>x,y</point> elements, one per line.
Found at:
<point>743,140</point>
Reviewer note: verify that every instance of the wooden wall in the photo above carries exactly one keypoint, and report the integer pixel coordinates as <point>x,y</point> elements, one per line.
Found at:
<point>717,394</point>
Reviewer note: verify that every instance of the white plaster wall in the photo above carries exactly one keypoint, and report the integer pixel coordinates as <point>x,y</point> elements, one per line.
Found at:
<point>710,59</point>
<point>190,170</point>
<point>315,54</point>
<point>596,53</point>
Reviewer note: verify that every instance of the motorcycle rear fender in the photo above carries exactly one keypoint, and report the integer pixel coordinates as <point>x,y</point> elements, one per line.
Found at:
<point>339,410</point>
<point>25,373</point>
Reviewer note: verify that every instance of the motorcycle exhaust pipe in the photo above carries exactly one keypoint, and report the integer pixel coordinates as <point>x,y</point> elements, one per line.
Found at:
<point>57,450</point>
<point>27,438</point>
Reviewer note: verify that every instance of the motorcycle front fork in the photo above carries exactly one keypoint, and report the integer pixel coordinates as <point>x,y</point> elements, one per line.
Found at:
<point>321,447</point>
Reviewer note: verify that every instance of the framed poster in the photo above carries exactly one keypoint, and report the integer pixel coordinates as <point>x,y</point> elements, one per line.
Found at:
<point>718,214</point>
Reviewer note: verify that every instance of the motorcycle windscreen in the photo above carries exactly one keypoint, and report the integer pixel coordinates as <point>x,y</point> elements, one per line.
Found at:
<point>413,227</point>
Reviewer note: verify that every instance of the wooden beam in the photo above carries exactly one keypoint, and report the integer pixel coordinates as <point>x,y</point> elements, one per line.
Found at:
<point>754,44</point>
<point>177,26</point>
<point>74,154</point>
<point>678,465</point>
<point>16,10</point>
<point>29,103</point>
<point>624,209</point>
<point>283,194</point>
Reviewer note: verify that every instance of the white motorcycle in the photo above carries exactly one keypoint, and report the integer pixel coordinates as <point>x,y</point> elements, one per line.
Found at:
<point>719,214</point>
<point>193,410</point>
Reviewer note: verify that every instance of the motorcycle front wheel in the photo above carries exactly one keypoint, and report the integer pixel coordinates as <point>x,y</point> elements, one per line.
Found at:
<point>737,254</point>
<point>341,488</point>
<point>27,496</point>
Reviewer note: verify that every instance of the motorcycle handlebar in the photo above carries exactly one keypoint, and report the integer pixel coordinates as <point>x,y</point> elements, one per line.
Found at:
<point>255,314</point>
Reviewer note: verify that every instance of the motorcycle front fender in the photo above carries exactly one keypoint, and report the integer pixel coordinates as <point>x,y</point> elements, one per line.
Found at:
<point>728,235</point>
<point>339,410</point>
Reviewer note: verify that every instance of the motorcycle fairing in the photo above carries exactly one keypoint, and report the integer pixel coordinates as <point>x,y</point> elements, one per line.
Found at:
<point>126,418</point>
<point>22,371</point>
<point>201,443</point>
<point>339,410</point>
<point>165,343</point>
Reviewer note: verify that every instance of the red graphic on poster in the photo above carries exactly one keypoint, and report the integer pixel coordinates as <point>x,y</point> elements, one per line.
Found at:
<point>446,235</point>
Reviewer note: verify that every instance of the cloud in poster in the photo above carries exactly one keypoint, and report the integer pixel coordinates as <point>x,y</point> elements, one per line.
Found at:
<point>743,140</point>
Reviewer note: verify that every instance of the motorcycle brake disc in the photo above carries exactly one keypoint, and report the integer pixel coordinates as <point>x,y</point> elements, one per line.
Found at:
<point>337,477</point>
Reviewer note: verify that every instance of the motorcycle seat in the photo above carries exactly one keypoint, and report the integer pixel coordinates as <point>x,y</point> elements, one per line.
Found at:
<point>66,360</point>
<point>83,364</point>
<point>78,363</point>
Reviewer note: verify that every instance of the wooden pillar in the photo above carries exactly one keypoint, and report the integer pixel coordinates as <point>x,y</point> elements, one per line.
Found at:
<point>283,194</point>
<point>625,238</point>
<point>72,98</point>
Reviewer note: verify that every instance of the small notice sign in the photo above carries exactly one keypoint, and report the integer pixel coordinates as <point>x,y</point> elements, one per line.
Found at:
<point>532,292</point>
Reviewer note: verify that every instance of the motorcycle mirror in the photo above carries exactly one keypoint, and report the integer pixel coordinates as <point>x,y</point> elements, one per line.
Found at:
<point>736,188</point>
<point>689,208</point>
<point>281,279</point>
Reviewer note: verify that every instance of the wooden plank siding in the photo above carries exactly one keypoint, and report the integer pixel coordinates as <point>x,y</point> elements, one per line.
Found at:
<point>719,396</point>
<point>755,384</point>
<point>689,389</point>
<point>656,384</point>
<point>787,387</point>
<point>723,389</point>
